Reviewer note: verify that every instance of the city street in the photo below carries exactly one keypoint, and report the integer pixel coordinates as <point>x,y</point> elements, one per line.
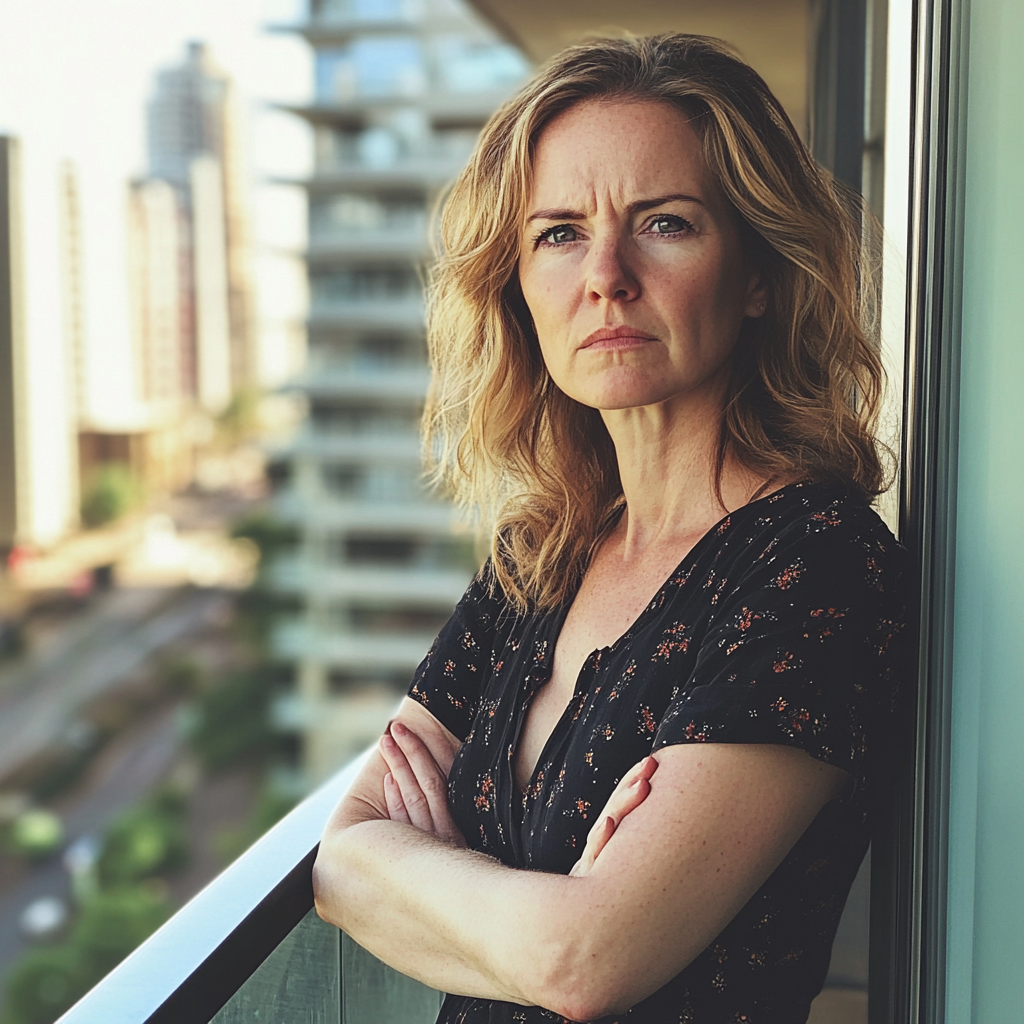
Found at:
<point>40,698</point>
<point>122,774</point>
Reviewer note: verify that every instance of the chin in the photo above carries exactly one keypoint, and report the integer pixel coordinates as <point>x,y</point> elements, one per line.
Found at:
<point>624,389</point>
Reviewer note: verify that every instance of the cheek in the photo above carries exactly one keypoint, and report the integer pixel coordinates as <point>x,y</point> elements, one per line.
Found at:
<point>548,291</point>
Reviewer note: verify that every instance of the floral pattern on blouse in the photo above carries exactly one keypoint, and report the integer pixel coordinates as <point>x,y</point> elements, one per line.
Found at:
<point>786,623</point>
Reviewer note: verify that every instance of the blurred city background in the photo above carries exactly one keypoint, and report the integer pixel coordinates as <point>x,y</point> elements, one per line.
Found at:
<point>219,564</point>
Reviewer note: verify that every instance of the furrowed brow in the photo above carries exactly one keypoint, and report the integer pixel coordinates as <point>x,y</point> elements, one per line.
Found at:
<point>557,215</point>
<point>673,197</point>
<point>638,207</point>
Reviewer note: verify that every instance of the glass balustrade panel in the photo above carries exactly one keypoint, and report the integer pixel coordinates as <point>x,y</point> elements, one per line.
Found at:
<point>299,982</point>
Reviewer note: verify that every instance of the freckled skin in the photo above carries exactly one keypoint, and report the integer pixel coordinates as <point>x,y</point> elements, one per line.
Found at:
<point>675,271</point>
<point>626,226</point>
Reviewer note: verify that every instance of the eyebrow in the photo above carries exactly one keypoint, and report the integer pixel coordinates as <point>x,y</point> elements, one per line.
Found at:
<point>638,207</point>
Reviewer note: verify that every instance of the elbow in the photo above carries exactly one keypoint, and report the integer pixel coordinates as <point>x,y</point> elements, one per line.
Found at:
<point>322,902</point>
<point>588,1000</point>
<point>329,877</point>
<point>579,980</point>
<point>585,997</point>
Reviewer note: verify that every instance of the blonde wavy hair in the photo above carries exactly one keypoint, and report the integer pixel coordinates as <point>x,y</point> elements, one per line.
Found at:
<point>806,381</point>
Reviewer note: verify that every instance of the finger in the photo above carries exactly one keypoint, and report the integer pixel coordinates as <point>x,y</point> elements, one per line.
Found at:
<point>439,749</point>
<point>432,781</point>
<point>622,803</point>
<point>412,796</point>
<point>596,842</point>
<point>629,799</point>
<point>393,800</point>
<point>641,770</point>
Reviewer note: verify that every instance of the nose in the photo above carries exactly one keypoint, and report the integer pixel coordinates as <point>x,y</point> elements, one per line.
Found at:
<point>608,273</point>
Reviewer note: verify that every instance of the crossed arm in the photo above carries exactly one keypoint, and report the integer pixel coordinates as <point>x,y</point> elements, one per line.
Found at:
<point>670,862</point>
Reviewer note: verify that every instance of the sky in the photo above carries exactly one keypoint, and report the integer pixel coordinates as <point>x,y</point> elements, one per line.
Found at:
<point>74,79</point>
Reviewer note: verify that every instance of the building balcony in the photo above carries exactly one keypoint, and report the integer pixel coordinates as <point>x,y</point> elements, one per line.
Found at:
<point>402,313</point>
<point>335,447</point>
<point>391,385</point>
<point>408,584</point>
<point>416,516</point>
<point>411,172</point>
<point>338,246</point>
<point>332,27</point>
<point>441,109</point>
<point>251,947</point>
<point>397,653</point>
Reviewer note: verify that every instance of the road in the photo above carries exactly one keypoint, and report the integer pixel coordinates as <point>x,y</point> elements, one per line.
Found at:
<point>41,696</point>
<point>128,769</point>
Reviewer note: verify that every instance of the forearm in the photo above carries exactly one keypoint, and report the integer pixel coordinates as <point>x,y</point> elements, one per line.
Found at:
<point>454,919</point>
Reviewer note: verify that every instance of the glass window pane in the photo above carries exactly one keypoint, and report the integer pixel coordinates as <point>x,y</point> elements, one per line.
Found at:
<point>373,993</point>
<point>468,66</point>
<point>299,981</point>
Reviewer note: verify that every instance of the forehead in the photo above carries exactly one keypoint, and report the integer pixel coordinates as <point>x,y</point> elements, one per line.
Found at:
<point>618,148</point>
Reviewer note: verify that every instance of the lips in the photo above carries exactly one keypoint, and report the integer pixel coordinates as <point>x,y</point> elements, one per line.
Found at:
<point>617,337</point>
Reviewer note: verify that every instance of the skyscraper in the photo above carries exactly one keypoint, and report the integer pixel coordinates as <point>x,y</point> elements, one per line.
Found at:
<point>38,471</point>
<point>193,129</point>
<point>15,495</point>
<point>402,89</point>
<point>155,290</point>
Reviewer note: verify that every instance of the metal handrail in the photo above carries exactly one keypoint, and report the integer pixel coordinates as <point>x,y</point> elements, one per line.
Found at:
<point>195,963</point>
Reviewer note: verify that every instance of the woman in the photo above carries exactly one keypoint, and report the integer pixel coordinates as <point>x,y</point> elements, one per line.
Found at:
<point>630,780</point>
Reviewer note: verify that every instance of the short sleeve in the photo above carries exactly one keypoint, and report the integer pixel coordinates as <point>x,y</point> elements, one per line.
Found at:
<point>450,679</point>
<point>807,649</point>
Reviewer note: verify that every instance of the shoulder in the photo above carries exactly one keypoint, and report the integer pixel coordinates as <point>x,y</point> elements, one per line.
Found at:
<point>817,530</point>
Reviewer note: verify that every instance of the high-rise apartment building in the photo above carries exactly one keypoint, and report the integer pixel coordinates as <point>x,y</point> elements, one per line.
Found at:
<point>155,290</point>
<point>38,471</point>
<point>195,157</point>
<point>15,496</point>
<point>402,90</point>
<point>190,281</point>
<point>72,274</point>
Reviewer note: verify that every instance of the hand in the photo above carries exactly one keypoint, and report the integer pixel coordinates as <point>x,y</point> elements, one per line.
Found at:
<point>416,787</point>
<point>628,795</point>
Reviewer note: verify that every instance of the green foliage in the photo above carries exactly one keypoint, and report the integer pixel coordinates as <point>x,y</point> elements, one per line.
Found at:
<point>270,807</point>
<point>258,609</point>
<point>36,833</point>
<point>233,724</point>
<point>267,532</point>
<point>46,981</point>
<point>180,676</point>
<point>146,840</point>
<point>241,419</point>
<point>114,922</point>
<point>111,492</point>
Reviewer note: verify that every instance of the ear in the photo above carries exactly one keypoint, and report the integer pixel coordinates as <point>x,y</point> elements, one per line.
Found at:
<point>757,297</point>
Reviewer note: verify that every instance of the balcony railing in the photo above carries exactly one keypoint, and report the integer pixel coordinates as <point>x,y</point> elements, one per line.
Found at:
<point>251,948</point>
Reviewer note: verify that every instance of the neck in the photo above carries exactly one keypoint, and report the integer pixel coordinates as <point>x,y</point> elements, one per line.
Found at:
<point>667,456</point>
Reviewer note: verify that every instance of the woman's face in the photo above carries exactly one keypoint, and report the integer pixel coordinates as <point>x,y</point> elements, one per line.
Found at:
<point>631,261</point>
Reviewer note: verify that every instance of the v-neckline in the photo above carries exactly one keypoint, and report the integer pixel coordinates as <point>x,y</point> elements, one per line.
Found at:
<point>554,632</point>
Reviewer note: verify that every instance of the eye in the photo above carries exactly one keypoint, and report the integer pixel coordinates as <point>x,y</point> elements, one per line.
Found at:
<point>559,235</point>
<point>668,224</point>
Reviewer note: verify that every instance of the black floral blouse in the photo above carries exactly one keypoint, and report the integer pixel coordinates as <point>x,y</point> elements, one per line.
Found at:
<point>786,623</point>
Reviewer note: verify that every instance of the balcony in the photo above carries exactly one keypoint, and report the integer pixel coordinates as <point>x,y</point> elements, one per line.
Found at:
<point>338,246</point>
<point>420,517</point>
<point>387,652</point>
<point>395,384</point>
<point>250,947</point>
<point>412,172</point>
<point>405,583</point>
<point>404,312</point>
<point>441,109</point>
<point>403,448</point>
